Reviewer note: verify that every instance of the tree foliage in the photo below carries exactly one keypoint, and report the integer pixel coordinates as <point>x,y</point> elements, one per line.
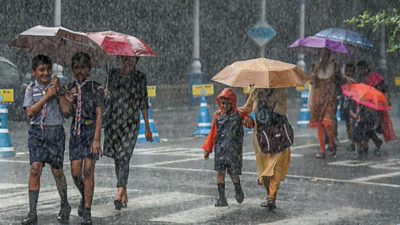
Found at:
<point>392,21</point>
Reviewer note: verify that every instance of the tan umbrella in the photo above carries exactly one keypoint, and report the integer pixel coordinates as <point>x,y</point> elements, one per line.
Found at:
<point>262,73</point>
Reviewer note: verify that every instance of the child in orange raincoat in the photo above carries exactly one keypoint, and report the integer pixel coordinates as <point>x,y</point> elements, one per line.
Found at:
<point>226,137</point>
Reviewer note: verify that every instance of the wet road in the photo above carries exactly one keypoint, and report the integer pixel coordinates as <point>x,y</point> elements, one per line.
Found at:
<point>171,183</point>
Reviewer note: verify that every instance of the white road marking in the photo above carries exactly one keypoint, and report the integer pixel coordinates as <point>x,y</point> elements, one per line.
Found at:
<point>13,186</point>
<point>290,176</point>
<point>375,177</point>
<point>351,163</point>
<point>323,217</point>
<point>165,162</point>
<point>206,213</point>
<point>45,196</point>
<point>147,201</point>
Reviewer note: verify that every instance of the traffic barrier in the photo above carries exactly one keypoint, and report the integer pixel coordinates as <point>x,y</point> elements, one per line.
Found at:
<point>6,147</point>
<point>338,117</point>
<point>398,108</point>
<point>250,130</point>
<point>304,117</point>
<point>142,127</point>
<point>204,125</point>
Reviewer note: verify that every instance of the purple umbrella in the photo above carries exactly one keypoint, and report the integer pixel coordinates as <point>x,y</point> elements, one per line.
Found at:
<point>307,45</point>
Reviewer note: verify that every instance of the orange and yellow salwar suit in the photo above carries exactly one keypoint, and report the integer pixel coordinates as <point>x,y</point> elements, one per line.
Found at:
<point>272,168</point>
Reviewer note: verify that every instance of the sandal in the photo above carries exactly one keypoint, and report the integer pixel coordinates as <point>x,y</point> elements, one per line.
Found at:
<point>377,148</point>
<point>320,155</point>
<point>270,204</point>
<point>332,150</point>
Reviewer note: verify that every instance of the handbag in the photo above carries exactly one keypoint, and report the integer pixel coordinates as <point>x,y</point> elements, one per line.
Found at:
<point>274,132</point>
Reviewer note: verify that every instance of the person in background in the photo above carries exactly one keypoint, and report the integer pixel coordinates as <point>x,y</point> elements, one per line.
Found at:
<point>375,80</point>
<point>323,100</point>
<point>349,105</point>
<point>364,128</point>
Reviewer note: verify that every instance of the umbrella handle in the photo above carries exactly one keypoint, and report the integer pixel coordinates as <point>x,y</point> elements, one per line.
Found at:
<point>106,85</point>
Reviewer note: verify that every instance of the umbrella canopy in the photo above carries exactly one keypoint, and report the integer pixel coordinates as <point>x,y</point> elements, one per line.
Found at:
<point>347,36</point>
<point>310,44</point>
<point>366,95</point>
<point>115,43</point>
<point>59,43</point>
<point>262,73</point>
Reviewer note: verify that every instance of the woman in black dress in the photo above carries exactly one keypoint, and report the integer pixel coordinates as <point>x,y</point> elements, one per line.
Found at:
<point>127,96</point>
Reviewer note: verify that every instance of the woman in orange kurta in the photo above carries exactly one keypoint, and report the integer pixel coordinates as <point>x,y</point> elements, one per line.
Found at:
<point>272,168</point>
<point>323,101</point>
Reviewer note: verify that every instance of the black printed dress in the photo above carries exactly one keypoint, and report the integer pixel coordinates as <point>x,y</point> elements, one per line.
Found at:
<point>128,95</point>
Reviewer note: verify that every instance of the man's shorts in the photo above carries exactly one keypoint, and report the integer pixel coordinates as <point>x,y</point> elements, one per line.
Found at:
<point>47,145</point>
<point>229,168</point>
<point>80,145</point>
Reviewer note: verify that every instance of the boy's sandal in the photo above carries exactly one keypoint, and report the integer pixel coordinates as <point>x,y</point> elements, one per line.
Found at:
<point>320,155</point>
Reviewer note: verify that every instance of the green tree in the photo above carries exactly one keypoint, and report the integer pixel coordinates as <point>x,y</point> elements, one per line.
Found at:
<point>391,21</point>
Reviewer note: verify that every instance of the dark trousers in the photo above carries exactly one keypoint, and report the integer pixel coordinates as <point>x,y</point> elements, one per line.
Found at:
<point>122,170</point>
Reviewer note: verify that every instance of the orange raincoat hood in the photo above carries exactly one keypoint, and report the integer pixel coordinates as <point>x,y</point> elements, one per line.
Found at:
<point>229,94</point>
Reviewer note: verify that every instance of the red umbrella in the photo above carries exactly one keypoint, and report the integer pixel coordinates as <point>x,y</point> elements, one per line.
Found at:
<point>366,95</point>
<point>115,43</point>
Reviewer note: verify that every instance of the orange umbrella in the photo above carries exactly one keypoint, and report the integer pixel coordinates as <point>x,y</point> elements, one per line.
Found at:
<point>262,73</point>
<point>366,95</point>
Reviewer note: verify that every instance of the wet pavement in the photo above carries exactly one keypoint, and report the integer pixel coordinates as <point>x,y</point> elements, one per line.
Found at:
<point>171,183</point>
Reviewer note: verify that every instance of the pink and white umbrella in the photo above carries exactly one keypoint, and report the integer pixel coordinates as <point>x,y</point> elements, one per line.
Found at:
<point>115,43</point>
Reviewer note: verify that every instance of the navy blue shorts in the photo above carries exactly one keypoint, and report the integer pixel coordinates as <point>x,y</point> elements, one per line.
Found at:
<point>229,168</point>
<point>47,146</point>
<point>79,145</point>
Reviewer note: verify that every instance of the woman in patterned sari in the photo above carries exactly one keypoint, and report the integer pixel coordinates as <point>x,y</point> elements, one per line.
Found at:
<point>127,96</point>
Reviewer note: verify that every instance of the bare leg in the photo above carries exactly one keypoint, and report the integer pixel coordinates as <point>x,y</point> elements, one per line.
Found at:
<point>88,179</point>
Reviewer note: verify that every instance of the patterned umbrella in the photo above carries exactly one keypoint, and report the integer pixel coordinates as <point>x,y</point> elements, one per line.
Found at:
<point>347,36</point>
<point>366,95</point>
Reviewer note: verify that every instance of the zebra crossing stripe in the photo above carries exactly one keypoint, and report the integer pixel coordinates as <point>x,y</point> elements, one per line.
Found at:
<point>324,217</point>
<point>141,202</point>
<point>21,198</point>
<point>206,213</point>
